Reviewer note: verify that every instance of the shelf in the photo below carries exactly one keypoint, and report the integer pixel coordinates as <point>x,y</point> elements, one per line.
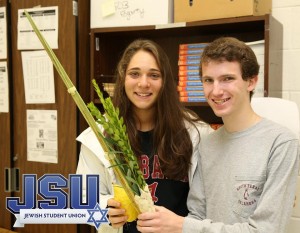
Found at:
<point>236,20</point>
<point>108,44</point>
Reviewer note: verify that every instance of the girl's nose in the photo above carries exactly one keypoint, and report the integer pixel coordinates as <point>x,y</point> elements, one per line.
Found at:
<point>143,82</point>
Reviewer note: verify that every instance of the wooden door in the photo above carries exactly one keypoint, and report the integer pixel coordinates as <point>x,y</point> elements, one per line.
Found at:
<point>64,104</point>
<point>5,141</point>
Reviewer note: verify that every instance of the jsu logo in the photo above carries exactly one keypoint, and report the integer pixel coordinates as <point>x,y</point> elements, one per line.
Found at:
<point>52,190</point>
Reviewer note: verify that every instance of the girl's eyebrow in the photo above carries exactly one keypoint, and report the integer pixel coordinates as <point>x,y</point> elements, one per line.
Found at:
<point>154,70</point>
<point>151,69</point>
<point>134,68</point>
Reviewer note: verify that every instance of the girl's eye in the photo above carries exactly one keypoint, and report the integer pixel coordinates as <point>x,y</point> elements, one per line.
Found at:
<point>134,74</point>
<point>155,75</point>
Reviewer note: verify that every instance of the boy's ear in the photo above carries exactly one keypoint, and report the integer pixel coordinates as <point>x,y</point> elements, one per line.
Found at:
<point>252,83</point>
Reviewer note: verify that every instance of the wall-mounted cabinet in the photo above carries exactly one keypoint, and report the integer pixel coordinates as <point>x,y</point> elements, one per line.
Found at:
<point>107,45</point>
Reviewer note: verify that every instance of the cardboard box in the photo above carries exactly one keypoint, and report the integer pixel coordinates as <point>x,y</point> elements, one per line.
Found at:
<point>119,13</point>
<point>196,10</point>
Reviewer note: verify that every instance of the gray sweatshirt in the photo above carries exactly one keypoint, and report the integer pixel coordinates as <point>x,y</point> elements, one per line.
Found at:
<point>245,181</point>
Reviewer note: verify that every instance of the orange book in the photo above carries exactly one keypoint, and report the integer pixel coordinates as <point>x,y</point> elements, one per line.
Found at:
<point>189,83</point>
<point>184,68</point>
<point>189,88</point>
<point>192,46</point>
<point>189,62</point>
<point>189,78</point>
<point>192,99</point>
<point>190,51</point>
<point>185,57</point>
<point>188,72</point>
<point>191,93</point>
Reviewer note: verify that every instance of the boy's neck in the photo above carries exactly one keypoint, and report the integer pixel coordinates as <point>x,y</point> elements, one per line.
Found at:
<point>240,122</point>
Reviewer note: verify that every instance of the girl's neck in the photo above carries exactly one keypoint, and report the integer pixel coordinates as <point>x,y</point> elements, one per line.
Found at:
<point>145,120</point>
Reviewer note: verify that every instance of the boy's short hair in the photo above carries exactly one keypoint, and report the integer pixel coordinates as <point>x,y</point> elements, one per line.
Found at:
<point>231,49</point>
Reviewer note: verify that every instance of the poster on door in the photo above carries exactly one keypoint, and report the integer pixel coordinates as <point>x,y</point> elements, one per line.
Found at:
<point>42,136</point>
<point>46,19</point>
<point>3,33</point>
<point>4,102</point>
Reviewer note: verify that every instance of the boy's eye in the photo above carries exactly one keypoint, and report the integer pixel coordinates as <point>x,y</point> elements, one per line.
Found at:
<point>207,80</point>
<point>229,78</point>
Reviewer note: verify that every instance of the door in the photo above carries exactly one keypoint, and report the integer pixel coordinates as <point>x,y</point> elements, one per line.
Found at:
<point>64,105</point>
<point>5,132</point>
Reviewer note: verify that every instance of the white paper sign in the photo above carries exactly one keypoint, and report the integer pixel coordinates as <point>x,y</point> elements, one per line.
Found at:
<point>4,88</point>
<point>46,19</point>
<point>42,136</point>
<point>119,13</point>
<point>38,77</point>
<point>3,33</point>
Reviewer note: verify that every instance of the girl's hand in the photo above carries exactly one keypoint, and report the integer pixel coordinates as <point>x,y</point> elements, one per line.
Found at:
<point>116,214</point>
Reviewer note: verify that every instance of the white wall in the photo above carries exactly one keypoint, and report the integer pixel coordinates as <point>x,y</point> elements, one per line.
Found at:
<point>284,72</point>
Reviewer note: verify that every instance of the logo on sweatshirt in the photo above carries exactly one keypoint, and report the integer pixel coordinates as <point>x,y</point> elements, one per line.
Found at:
<point>246,194</point>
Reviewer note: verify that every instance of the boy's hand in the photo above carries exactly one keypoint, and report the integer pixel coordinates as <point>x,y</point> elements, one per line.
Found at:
<point>162,220</point>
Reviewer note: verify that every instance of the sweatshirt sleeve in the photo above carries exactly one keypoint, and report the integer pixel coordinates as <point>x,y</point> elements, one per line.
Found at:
<point>275,204</point>
<point>89,164</point>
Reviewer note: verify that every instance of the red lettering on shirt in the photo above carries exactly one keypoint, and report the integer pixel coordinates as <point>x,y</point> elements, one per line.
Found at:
<point>156,172</point>
<point>152,188</point>
<point>144,166</point>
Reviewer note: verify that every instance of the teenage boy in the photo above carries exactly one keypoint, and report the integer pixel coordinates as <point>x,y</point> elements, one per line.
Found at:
<point>246,176</point>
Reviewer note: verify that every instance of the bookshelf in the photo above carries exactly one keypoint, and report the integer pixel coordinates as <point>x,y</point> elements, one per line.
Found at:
<point>108,44</point>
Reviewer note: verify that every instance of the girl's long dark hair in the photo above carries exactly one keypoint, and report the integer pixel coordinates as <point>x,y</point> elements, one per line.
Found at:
<point>171,138</point>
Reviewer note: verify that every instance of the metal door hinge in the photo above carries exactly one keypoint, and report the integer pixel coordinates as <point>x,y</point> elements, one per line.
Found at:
<point>12,179</point>
<point>97,44</point>
<point>75,8</point>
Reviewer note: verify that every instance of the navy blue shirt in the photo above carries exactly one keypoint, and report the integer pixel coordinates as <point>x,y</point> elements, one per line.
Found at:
<point>172,194</point>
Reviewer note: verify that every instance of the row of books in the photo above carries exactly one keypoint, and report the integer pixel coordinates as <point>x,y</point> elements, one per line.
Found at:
<point>190,88</point>
<point>109,88</point>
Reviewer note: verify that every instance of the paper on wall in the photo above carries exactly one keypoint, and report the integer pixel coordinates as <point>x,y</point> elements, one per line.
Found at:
<point>3,33</point>
<point>42,136</point>
<point>46,19</point>
<point>4,93</point>
<point>38,77</point>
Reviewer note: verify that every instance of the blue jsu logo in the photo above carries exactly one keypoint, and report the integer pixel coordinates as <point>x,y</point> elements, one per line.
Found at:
<point>51,188</point>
